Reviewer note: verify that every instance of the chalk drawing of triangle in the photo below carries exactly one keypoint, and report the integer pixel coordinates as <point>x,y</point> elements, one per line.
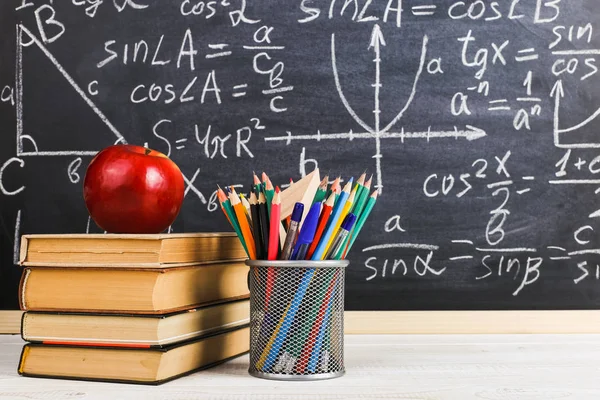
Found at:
<point>64,126</point>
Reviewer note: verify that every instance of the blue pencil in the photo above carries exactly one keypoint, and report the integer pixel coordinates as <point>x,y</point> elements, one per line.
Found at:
<point>319,253</point>
<point>314,356</point>
<point>288,319</point>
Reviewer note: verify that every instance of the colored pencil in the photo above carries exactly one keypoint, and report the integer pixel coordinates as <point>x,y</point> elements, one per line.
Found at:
<point>264,360</point>
<point>240,213</point>
<point>322,190</point>
<point>361,220</point>
<point>325,213</point>
<point>341,236</point>
<point>273,245</point>
<point>246,205</point>
<point>335,222</point>
<point>323,325</point>
<point>279,336</point>
<point>287,320</point>
<point>316,324</point>
<point>263,215</point>
<point>292,232</point>
<point>288,220</point>
<point>294,348</point>
<point>361,198</point>
<point>255,184</point>
<point>269,193</point>
<point>230,213</point>
<point>256,227</point>
<point>274,226</point>
<point>334,186</point>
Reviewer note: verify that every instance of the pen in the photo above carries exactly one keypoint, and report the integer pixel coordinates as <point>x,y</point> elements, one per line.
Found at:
<point>292,231</point>
<point>343,233</point>
<point>307,234</point>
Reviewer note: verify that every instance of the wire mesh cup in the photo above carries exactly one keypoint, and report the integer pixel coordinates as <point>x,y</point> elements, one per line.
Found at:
<point>297,314</point>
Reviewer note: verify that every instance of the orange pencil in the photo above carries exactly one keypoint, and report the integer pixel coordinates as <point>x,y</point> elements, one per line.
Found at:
<point>325,213</point>
<point>240,212</point>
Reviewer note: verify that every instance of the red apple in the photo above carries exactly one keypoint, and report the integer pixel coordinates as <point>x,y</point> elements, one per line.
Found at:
<point>132,189</point>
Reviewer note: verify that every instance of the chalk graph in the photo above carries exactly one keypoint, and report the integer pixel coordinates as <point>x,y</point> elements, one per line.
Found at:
<point>557,93</point>
<point>33,40</point>
<point>376,133</point>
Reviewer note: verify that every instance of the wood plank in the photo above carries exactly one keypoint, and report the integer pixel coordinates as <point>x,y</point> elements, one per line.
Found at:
<point>10,321</point>
<point>441,367</point>
<point>438,322</point>
<point>471,322</point>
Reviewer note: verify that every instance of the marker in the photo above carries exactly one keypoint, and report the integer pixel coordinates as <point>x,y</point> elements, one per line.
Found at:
<point>307,234</point>
<point>288,246</point>
<point>341,236</point>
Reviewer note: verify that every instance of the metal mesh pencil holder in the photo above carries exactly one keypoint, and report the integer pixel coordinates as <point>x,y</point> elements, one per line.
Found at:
<point>297,319</point>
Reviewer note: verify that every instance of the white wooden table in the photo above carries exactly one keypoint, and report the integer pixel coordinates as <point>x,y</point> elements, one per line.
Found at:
<point>457,367</point>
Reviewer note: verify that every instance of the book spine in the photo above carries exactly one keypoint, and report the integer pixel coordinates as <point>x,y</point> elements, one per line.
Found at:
<point>23,250</point>
<point>22,288</point>
<point>24,354</point>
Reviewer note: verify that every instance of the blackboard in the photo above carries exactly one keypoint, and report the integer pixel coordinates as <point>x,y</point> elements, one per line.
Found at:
<point>478,120</point>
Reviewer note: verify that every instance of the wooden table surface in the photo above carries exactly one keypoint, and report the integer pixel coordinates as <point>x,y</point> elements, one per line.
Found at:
<point>457,367</point>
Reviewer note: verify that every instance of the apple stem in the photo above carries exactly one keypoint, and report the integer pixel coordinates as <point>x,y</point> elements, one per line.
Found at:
<point>148,151</point>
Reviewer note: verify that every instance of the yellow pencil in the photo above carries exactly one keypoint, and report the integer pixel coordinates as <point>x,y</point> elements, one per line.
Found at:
<point>345,211</point>
<point>240,212</point>
<point>263,357</point>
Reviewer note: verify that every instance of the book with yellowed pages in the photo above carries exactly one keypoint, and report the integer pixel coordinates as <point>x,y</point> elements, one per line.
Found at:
<point>147,366</point>
<point>131,290</point>
<point>141,251</point>
<point>141,331</point>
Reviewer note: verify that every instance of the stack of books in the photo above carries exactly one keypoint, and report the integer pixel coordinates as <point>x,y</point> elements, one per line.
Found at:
<point>132,308</point>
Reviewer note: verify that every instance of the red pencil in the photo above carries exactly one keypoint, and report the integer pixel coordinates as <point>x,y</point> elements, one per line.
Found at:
<point>314,332</point>
<point>325,213</point>
<point>273,243</point>
<point>274,226</point>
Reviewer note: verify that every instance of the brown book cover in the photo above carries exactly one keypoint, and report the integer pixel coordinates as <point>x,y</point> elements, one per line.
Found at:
<point>117,250</point>
<point>143,366</point>
<point>131,290</point>
<point>133,331</point>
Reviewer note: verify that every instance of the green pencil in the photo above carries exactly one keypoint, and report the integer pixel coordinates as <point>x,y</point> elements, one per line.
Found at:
<point>228,209</point>
<point>256,184</point>
<point>269,191</point>
<point>361,199</point>
<point>361,220</point>
<point>290,355</point>
<point>322,190</point>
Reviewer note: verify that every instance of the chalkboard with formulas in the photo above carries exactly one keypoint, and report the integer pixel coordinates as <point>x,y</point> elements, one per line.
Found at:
<point>479,121</point>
